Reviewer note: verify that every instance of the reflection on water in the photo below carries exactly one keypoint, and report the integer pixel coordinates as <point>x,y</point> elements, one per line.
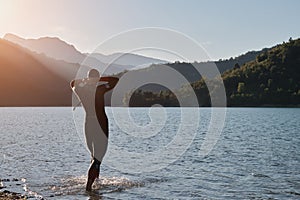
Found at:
<point>256,157</point>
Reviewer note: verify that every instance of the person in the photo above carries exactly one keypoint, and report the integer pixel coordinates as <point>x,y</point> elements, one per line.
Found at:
<point>90,93</point>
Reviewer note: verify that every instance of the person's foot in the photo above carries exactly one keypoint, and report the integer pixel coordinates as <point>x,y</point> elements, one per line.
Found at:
<point>92,175</point>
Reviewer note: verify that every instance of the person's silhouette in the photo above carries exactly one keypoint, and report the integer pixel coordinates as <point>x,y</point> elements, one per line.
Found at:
<point>90,92</point>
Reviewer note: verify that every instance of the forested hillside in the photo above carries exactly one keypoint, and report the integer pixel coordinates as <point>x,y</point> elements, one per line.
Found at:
<point>272,78</point>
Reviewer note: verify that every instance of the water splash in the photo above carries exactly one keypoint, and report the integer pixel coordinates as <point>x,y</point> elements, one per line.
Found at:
<point>104,185</point>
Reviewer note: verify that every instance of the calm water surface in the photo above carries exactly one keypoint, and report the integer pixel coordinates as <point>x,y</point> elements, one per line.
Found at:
<point>256,157</point>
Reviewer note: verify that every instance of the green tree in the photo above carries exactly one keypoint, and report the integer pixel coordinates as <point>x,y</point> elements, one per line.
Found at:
<point>241,87</point>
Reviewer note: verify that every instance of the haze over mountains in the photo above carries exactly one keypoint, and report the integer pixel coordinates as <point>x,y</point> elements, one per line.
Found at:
<point>30,79</point>
<point>60,50</point>
<point>37,72</point>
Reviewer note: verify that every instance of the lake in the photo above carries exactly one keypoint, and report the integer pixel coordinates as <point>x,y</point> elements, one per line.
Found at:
<point>153,154</point>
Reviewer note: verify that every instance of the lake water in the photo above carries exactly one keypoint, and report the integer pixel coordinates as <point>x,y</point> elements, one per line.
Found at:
<point>257,155</point>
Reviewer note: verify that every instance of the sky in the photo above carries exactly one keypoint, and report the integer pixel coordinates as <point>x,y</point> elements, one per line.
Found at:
<point>224,28</point>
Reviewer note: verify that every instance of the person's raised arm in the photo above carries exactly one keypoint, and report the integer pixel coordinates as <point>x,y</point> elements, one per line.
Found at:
<point>75,82</point>
<point>112,81</point>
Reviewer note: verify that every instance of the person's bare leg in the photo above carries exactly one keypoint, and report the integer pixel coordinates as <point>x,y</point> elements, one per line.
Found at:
<point>93,174</point>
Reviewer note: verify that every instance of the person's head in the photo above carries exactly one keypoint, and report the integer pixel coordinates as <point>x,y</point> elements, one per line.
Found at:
<point>93,73</point>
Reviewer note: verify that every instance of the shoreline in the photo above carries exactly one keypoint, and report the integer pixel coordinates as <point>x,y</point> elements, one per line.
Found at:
<point>8,195</point>
<point>13,188</point>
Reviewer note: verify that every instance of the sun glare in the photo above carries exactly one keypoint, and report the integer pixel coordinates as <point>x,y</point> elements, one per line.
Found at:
<point>5,11</point>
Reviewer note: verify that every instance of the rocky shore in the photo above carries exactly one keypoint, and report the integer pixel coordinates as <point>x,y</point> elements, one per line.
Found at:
<point>6,190</point>
<point>7,195</point>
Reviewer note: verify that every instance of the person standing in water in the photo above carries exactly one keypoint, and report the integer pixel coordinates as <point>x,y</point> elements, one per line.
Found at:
<point>90,93</point>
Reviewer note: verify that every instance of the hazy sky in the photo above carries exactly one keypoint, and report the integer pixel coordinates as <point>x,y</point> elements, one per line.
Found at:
<point>225,28</point>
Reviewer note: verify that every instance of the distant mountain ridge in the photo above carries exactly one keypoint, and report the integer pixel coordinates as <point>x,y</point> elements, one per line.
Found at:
<point>119,62</point>
<point>126,59</point>
<point>267,77</point>
<point>50,46</point>
<point>60,50</point>
<point>191,70</point>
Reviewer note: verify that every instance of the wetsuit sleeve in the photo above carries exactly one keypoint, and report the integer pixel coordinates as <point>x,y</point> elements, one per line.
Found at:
<point>112,82</point>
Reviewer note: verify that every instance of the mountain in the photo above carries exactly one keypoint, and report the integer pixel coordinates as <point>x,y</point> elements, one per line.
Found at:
<point>128,59</point>
<point>52,47</point>
<point>272,78</point>
<point>190,71</point>
<point>238,61</point>
<point>60,50</point>
<point>30,79</point>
